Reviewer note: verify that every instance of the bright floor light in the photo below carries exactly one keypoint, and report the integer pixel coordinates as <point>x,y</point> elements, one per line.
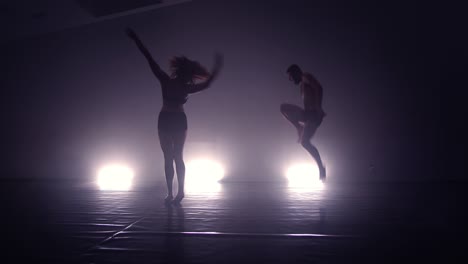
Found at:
<point>203,175</point>
<point>304,176</point>
<point>115,177</point>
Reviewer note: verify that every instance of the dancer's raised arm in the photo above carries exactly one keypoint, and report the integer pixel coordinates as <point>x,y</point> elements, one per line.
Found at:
<point>214,74</point>
<point>158,72</point>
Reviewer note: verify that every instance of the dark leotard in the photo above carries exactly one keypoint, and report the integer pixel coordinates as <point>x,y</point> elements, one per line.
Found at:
<point>170,121</point>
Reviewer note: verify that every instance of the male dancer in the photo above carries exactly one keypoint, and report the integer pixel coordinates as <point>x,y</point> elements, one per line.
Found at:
<point>306,120</point>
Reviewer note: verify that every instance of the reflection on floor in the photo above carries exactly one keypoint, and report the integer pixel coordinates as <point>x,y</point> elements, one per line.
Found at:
<point>65,222</point>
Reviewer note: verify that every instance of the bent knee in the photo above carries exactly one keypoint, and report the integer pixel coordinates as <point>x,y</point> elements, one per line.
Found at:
<point>179,159</point>
<point>168,158</point>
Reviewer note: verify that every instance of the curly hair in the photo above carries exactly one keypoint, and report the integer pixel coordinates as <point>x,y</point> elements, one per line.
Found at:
<point>183,67</point>
<point>294,68</point>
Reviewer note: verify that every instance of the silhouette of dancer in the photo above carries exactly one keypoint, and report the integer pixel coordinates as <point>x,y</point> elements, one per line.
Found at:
<point>306,120</point>
<point>172,121</point>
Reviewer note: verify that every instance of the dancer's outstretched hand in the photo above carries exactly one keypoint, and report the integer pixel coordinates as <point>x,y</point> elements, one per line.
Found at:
<point>130,33</point>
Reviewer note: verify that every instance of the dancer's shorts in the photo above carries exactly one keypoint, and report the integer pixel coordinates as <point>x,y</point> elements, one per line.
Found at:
<point>314,117</point>
<point>172,121</point>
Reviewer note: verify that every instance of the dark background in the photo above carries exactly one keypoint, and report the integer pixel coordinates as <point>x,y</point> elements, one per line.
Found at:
<point>77,97</point>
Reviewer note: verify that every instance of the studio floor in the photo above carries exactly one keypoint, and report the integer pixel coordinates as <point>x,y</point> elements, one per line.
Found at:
<point>245,222</point>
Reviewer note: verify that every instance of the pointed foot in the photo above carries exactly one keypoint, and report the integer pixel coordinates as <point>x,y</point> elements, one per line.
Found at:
<point>179,198</point>
<point>323,174</point>
<point>168,199</point>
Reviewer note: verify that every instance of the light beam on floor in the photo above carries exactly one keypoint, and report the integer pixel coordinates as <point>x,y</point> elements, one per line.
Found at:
<point>304,176</point>
<point>115,177</point>
<point>203,175</point>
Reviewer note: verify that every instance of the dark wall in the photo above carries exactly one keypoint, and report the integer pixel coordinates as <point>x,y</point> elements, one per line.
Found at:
<point>81,97</point>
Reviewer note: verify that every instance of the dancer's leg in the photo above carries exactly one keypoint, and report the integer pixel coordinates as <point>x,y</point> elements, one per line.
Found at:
<point>295,115</point>
<point>166,142</point>
<point>179,141</point>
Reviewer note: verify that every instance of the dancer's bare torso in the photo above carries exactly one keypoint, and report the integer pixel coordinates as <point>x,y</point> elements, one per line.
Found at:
<point>312,95</point>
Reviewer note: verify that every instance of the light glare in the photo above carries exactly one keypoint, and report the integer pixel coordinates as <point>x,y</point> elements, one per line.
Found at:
<point>115,178</point>
<point>203,175</point>
<point>304,176</point>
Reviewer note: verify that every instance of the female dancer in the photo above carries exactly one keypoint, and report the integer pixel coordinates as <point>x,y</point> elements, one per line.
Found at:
<point>172,121</point>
